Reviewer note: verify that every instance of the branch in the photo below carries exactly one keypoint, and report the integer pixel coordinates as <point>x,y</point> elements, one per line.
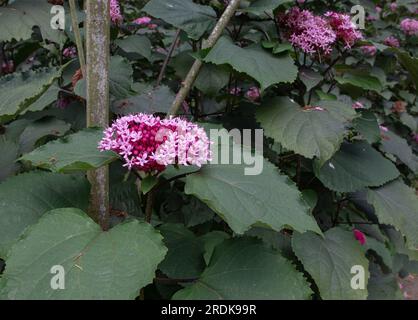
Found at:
<point>167,58</point>
<point>97,80</point>
<point>211,41</point>
<point>77,35</point>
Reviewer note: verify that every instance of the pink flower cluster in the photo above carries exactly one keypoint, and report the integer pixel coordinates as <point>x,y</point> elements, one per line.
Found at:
<point>70,52</point>
<point>391,41</point>
<point>253,94</point>
<point>314,34</point>
<point>369,50</point>
<point>344,28</point>
<point>308,32</point>
<point>148,143</point>
<point>115,12</point>
<point>409,26</point>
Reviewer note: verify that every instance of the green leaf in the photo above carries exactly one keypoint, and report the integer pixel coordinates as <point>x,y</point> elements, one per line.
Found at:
<point>151,101</point>
<point>47,98</point>
<point>254,61</point>
<point>39,129</point>
<point>76,152</point>
<point>383,286</point>
<point>397,146</point>
<point>185,252</point>
<point>309,78</point>
<point>245,268</point>
<point>18,19</point>
<point>260,6</point>
<point>195,212</point>
<point>396,204</point>
<point>310,133</point>
<point>368,127</point>
<point>210,241</point>
<point>194,19</point>
<point>409,63</point>
<point>339,110</point>
<point>19,90</point>
<point>282,47</point>
<point>354,167</point>
<point>120,77</point>
<point>9,154</point>
<point>148,183</point>
<point>244,200</point>
<point>365,82</point>
<point>136,44</point>
<point>329,261</point>
<point>98,265</point>
<point>24,198</point>
<point>211,78</point>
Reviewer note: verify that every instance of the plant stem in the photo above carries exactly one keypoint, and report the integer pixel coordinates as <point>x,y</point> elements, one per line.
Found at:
<point>77,35</point>
<point>97,80</point>
<point>149,205</point>
<point>197,65</point>
<point>167,58</point>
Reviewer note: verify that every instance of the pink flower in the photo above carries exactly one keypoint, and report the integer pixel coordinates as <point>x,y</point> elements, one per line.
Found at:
<point>70,52</point>
<point>409,26</point>
<point>253,94</point>
<point>378,9</point>
<point>344,28</point>
<point>360,237</point>
<point>152,26</point>
<point>63,103</point>
<point>235,91</point>
<point>391,41</point>
<point>301,1</point>
<point>142,21</point>
<point>149,144</point>
<point>7,67</point>
<point>369,50</point>
<point>358,105</point>
<point>115,13</point>
<point>310,33</point>
<point>415,137</point>
<point>393,6</point>
<point>383,128</point>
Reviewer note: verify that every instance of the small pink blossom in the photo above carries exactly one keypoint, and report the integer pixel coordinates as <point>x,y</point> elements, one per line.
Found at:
<point>369,50</point>
<point>70,52</point>
<point>344,28</point>
<point>7,67</point>
<point>235,91</point>
<point>360,237</point>
<point>409,26</point>
<point>393,6</point>
<point>383,128</point>
<point>115,12</point>
<point>358,105</point>
<point>391,41</point>
<point>142,21</point>
<point>253,94</point>
<point>63,103</point>
<point>148,143</point>
<point>301,1</point>
<point>378,9</point>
